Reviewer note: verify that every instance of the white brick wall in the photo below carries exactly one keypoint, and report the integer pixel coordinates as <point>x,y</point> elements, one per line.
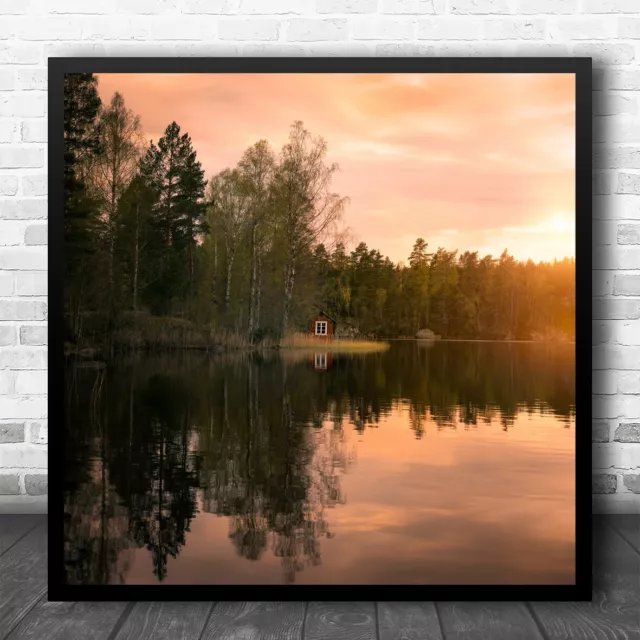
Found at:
<point>608,30</point>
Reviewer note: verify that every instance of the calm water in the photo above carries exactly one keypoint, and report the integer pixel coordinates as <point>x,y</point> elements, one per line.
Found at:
<point>450,463</point>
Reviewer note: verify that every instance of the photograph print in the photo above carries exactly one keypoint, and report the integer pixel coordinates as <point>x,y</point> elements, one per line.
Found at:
<point>316,330</point>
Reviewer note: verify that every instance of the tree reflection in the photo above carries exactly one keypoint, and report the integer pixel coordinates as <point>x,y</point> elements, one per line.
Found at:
<point>261,441</point>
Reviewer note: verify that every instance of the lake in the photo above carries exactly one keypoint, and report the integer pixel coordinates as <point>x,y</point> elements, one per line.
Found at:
<point>428,463</point>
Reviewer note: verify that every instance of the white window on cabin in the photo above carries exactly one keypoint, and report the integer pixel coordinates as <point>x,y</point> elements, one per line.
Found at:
<point>321,360</point>
<point>321,328</point>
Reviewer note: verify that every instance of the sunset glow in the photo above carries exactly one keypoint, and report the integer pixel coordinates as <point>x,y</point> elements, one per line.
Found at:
<point>467,161</point>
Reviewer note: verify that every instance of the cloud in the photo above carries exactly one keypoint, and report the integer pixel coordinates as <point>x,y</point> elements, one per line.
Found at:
<point>418,154</point>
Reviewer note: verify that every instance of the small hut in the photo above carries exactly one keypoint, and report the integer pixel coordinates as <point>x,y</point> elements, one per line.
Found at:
<point>323,326</point>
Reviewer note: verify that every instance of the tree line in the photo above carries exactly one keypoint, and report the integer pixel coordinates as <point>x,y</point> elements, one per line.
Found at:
<point>255,250</point>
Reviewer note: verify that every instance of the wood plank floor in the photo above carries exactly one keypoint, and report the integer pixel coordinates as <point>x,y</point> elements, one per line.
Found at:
<point>25,613</point>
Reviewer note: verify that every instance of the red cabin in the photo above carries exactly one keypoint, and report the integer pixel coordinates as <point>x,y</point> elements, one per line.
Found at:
<point>323,326</point>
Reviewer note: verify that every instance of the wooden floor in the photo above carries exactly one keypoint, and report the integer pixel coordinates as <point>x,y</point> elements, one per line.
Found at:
<point>26,614</point>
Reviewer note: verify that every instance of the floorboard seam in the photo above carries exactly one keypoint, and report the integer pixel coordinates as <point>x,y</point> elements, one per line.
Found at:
<point>27,532</point>
<point>437,608</point>
<point>26,612</point>
<point>206,622</point>
<point>304,621</point>
<point>637,551</point>
<point>377,616</point>
<point>532,612</point>
<point>120,621</point>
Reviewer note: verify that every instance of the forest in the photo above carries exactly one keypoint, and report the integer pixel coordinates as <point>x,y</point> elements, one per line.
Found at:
<point>156,254</point>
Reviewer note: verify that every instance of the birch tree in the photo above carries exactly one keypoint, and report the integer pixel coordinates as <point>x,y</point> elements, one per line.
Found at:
<point>256,173</point>
<point>305,206</point>
<point>228,211</point>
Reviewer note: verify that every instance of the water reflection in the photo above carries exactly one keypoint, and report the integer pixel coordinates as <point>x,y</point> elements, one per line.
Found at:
<point>192,468</point>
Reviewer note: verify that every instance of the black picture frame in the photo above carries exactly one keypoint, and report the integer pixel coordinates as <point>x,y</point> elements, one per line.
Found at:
<point>581,67</point>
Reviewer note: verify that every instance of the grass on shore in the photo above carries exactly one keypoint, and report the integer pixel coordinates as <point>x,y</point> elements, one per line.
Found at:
<point>344,345</point>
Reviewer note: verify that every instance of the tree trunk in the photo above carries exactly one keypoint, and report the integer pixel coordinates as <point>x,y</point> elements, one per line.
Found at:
<point>254,268</point>
<point>136,259</point>
<point>289,278</point>
<point>227,294</point>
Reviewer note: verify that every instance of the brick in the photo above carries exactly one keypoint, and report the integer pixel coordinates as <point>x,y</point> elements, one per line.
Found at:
<point>601,183</point>
<point>216,7</point>
<point>18,158</point>
<point>39,433</point>
<point>8,129</point>
<point>448,28</point>
<point>628,183</point>
<point>30,407</point>
<point>627,432</point>
<point>32,79</point>
<point>629,28</point>
<point>50,28</point>
<point>34,186</point>
<point>628,234</point>
<point>7,80</point>
<point>632,482</point>
<point>23,359</point>
<point>33,131</point>
<point>34,335</point>
<point>606,103</point>
<point>610,6</point>
<point>545,6</point>
<point>615,309</point>
<point>601,283</point>
<point>23,104</point>
<point>616,258</point>
<point>79,6</point>
<point>541,49</point>
<point>616,455</point>
<point>582,28</point>
<point>600,432</point>
<point>36,484</point>
<point>6,283</point>
<point>24,258</point>
<point>200,28</point>
<point>377,29</point>
<point>273,49</point>
<point>7,383</point>
<point>16,53</point>
<point>415,7</point>
<point>9,484</point>
<point>625,332</point>
<point>31,382</point>
<point>608,53</point>
<point>615,357</point>
<point>226,49</point>
<point>603,382</point>
<point>603,483</point>
<point>616,406</point>
<point>514,29</point>
<point>480,6</point>
<point>626,285</point>
<point>36,234</point>
<point>11,432</point>
<point>600,332</point>
<point>276,7</point>
<point>20,456</point>
<point>31,283</point>
<point>8,186</point>
<point>604,233</point>
<point>7,335</point>
<point>23,310</point>
<point>11,233</point>
<point>328,49</point>
<point>628,381</point>
<point>250,29</point>
<point>74,50</point>
<point>345,6</point>
<point>624,80</point>
<point>306,30</point>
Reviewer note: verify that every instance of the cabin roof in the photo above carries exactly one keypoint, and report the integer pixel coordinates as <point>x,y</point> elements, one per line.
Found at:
<point>324,313</point>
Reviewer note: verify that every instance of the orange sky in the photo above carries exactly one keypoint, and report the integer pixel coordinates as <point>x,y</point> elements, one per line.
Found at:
<point>475,161</point>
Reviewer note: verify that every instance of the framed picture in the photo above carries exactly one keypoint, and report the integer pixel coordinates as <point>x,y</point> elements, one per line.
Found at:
<point>316,325</point>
